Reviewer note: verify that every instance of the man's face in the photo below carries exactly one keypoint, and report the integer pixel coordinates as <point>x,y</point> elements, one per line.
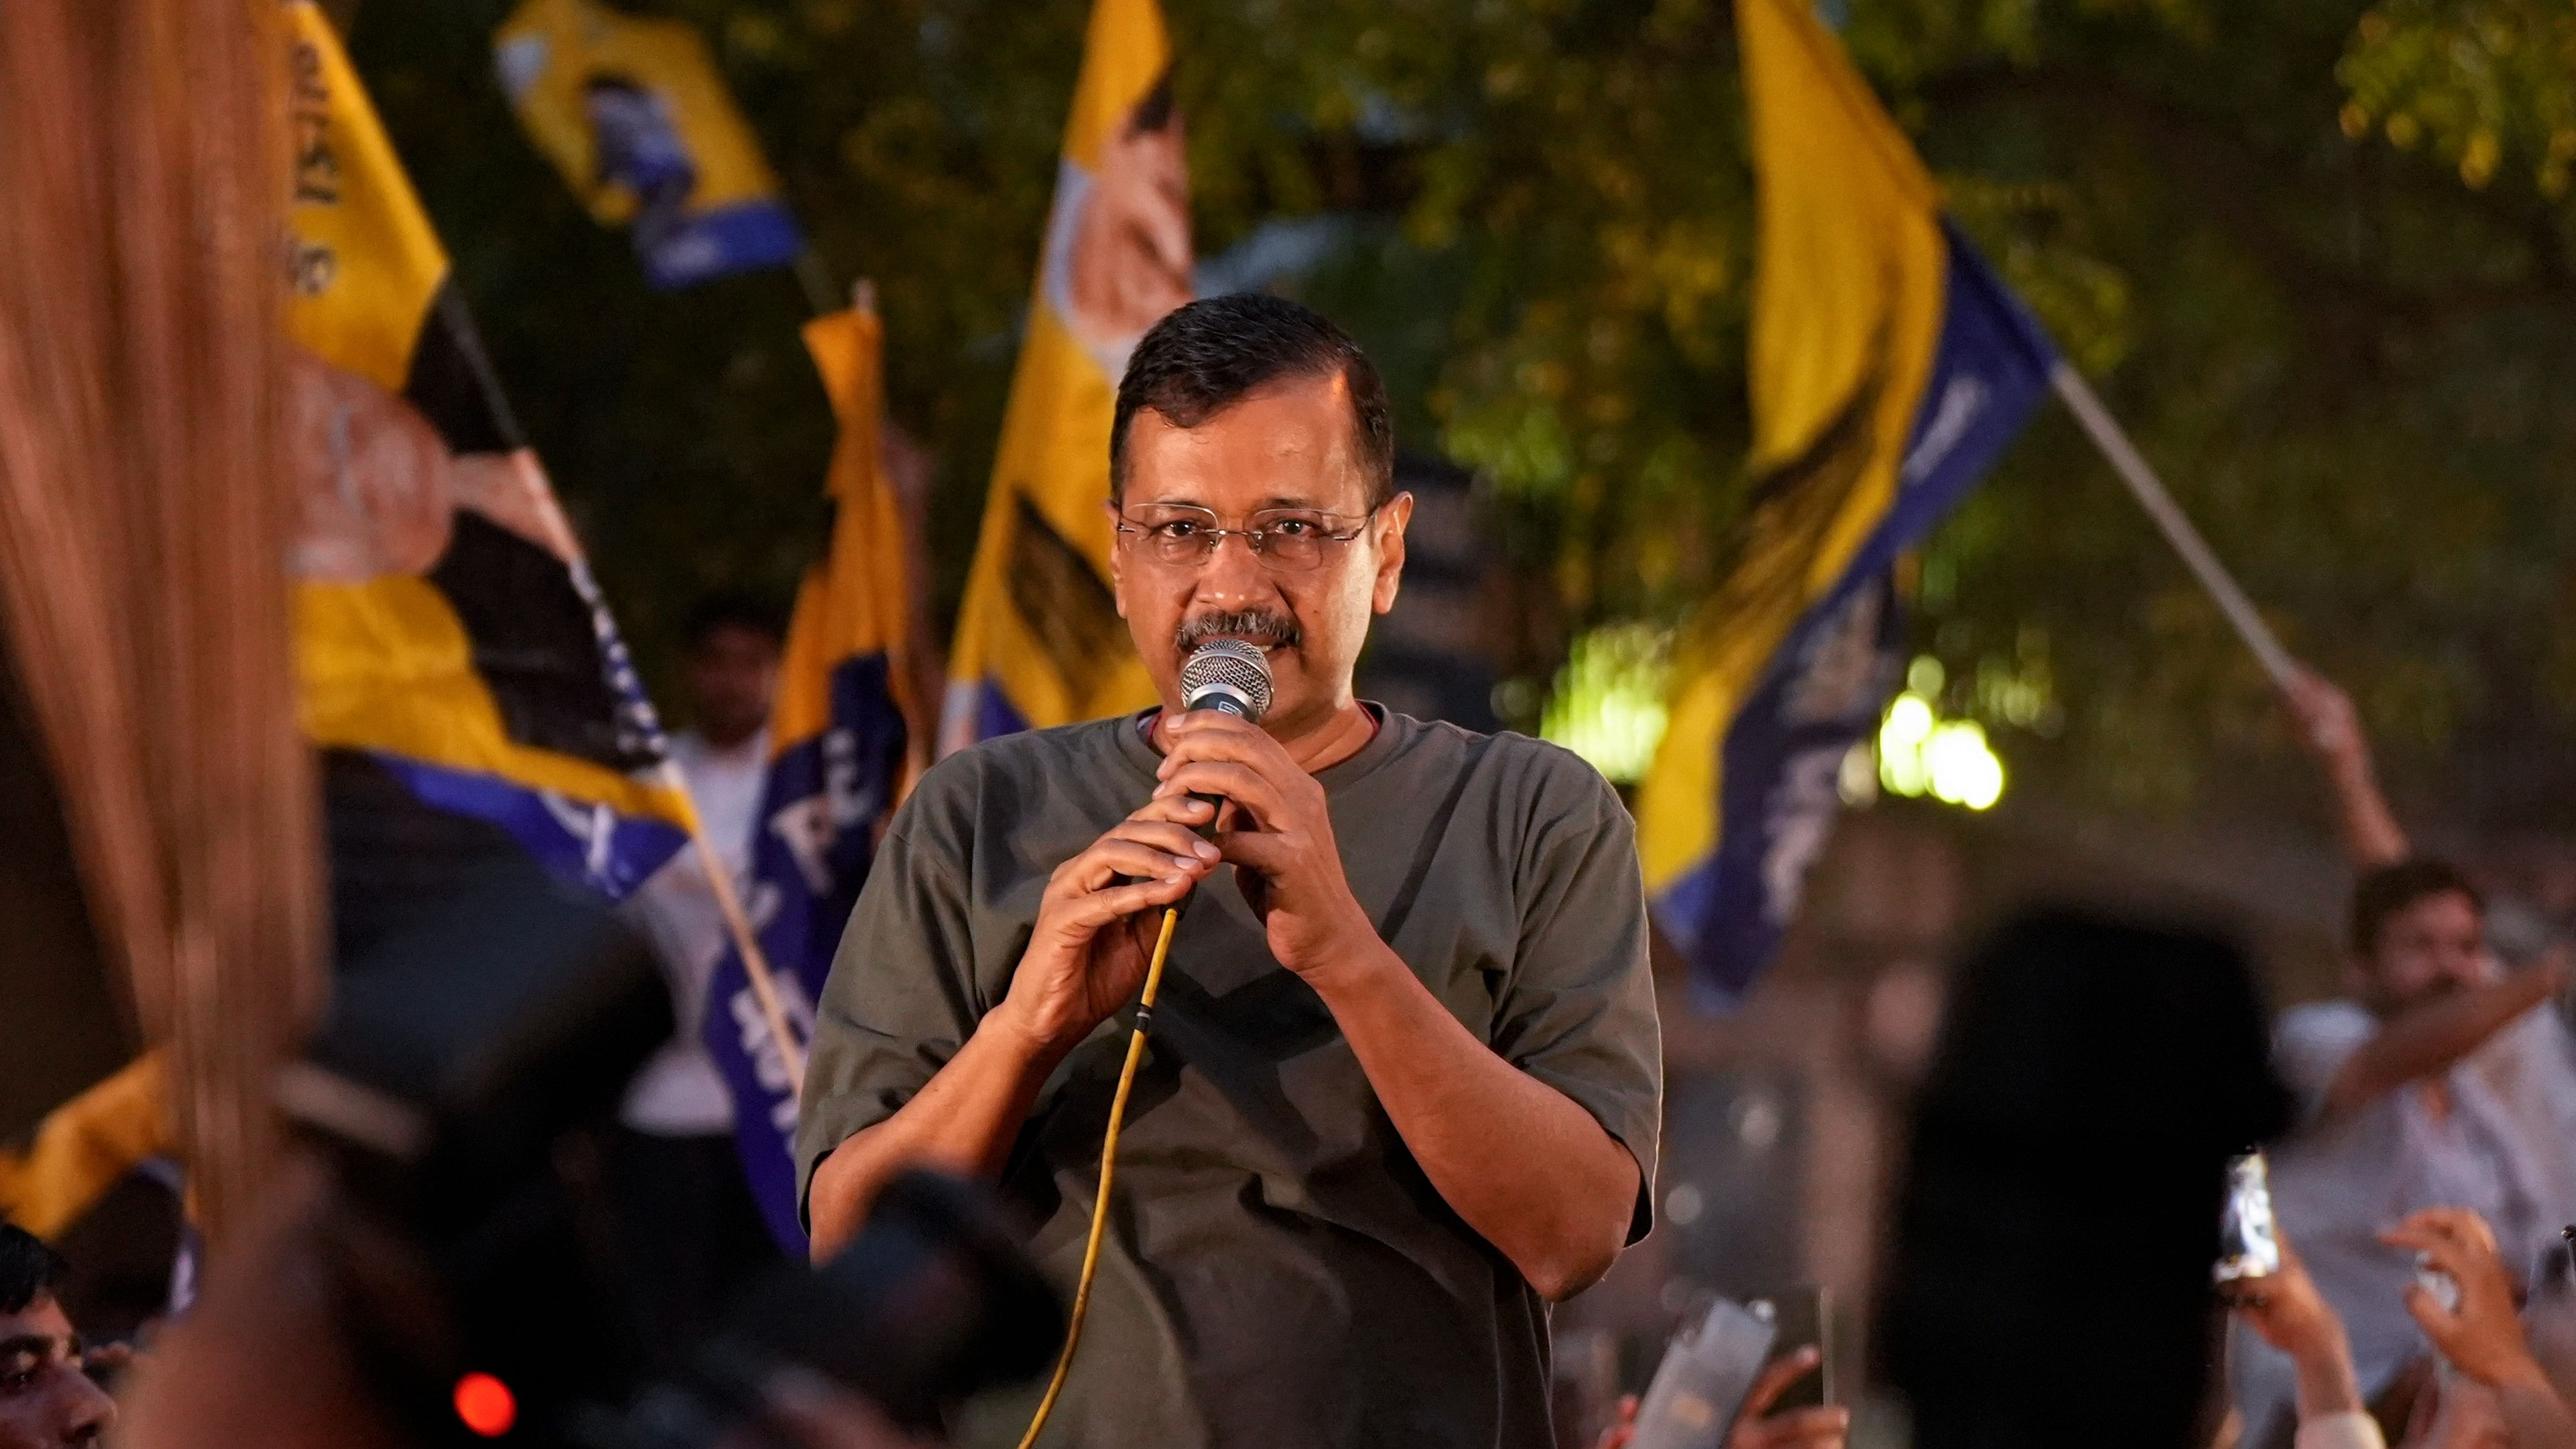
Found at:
<point>1288,445</point>
<point>2427,949</point>
<point>733,677</point>
<point>46,1401</point>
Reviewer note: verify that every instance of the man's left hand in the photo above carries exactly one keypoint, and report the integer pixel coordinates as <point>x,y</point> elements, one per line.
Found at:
<point>1278,834</point>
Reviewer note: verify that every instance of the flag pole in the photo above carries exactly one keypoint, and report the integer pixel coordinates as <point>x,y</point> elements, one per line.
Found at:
<point>755,964</point>
<point>2123,456</point>
<point>531,474</point>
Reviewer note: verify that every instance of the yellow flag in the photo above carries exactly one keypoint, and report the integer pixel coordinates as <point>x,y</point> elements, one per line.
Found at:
<point>448,633</point>
<point>843,740</point>
<point>635,116</point>
<point>856,603</point>
<point>1040,642</point>
<point>367,264</point>
<point>1888,369</point>
<point>85,1146</point>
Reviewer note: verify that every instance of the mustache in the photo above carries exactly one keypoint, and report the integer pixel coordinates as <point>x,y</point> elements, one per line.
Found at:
<point>1262,626</point>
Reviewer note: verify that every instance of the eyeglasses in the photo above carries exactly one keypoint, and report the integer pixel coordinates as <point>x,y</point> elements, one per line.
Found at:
<point>1290,540</point>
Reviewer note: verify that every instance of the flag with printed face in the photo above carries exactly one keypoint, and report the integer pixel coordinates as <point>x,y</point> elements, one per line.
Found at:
<point>1889,369</point>
<point>1039,642</point>
<point>632,112</point>
<point>455,660</point>
<point>843,735</point>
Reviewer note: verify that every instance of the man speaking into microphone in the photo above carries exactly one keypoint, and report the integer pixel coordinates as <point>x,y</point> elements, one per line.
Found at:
<point>1403,1078</point>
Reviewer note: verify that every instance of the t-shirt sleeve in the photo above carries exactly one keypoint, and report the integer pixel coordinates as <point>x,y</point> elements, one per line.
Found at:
<point>1578,1010</point>
<point>2312,1043</point>
<point>900,1001</point>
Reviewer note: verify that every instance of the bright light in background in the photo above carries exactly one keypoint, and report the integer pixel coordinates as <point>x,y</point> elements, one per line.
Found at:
<point>1608,704</point>
<point>1608,707</point>
<point>1901,737</point>
<point>1963,767</point>
<point>1920,753</point>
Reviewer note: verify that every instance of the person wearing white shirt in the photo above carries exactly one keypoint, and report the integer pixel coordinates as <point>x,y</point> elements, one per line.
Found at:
<point>2430,1085</point>
<point>693,1232</point>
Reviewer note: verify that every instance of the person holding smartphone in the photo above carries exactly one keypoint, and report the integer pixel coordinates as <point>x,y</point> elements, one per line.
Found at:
<point>2439,1080</point>
<point>1756,1426</point>
<point>2285,1310</point>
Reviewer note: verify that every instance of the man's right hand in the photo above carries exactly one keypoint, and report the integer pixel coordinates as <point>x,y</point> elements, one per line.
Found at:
<point>1097,921</point>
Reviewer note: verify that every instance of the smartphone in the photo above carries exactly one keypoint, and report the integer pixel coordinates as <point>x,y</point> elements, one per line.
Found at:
<point>1703,1379</point>
<point>2249,1244</point>
<point>1801,1317</point>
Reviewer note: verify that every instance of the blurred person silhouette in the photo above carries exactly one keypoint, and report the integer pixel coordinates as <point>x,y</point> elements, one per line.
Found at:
<point>2053,1231</point>
<point>47,1398</point>
<point>2438,1080</point>
<point>694,1232</point>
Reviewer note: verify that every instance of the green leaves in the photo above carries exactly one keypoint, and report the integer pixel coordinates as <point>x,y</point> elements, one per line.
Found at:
<point>2474,81</point>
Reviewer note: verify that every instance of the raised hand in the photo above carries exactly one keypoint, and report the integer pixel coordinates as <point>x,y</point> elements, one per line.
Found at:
<point>2482,1337</point>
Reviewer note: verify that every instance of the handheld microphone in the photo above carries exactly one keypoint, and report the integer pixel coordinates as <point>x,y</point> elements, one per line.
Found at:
<point>1232,676</point>
<point>1228,674</point>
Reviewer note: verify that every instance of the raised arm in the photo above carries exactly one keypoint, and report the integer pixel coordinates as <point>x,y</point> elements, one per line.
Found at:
<point>2331,728</point>
<point>2424,1041</point>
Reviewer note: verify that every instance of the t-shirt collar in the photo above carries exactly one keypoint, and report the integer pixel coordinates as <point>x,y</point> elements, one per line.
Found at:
<point>1135,747</point>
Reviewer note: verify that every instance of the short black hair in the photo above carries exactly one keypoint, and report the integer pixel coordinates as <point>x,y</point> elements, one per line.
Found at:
<point>2385,890</point>
<point>29,1270</point>
<point>732,609</point>
<point>1204,357</point>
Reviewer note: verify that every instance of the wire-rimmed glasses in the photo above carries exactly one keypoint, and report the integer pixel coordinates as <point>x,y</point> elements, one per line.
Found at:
<point>1291,540</point>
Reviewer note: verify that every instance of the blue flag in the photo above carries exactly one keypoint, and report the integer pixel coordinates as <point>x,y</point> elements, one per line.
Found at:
<point>1890,368</point>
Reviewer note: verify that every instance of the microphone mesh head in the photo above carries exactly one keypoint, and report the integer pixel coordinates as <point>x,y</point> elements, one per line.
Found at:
<point>1227,666</point>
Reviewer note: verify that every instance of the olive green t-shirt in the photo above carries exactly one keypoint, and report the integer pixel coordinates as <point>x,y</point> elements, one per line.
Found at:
<point>1278,1271</point>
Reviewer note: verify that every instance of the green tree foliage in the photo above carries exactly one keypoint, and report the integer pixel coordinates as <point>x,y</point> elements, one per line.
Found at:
<point>2349,365</point>
<point>2480,81</point>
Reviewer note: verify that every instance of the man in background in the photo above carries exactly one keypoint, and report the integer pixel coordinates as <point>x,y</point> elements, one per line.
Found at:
<point>46,1397</point>
<point>2439,1080</point>
<point>693,1230</point>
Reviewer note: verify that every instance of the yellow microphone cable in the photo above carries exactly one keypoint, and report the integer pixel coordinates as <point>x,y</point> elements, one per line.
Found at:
<point>1108,1170</point>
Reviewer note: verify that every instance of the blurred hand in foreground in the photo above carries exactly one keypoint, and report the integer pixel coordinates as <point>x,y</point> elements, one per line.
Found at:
<point>1756,1427</point>
<point>2482,1337</point>
<point>2287,1312</point>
